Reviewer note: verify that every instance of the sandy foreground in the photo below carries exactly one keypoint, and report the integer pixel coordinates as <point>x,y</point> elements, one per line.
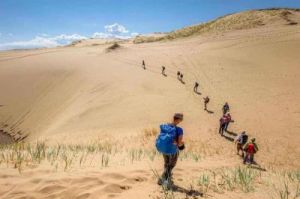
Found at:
<point>96,114</point>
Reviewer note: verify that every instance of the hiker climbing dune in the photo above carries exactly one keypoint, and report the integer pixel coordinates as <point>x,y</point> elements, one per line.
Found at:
<point>169,142</point>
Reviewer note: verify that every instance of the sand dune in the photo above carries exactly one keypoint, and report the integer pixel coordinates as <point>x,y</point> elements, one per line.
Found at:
<point>82,93</point>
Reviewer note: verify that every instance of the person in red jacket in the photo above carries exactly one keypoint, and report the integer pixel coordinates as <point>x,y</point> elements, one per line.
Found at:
<point>250,149</point>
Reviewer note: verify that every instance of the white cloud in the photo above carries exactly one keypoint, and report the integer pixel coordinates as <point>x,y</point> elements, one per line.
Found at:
<point>72,37</point>
<point>134,34</point>
<point>37,42</point>
<point>115,29</point>
<point>42,42</point>
<point>101,35</point>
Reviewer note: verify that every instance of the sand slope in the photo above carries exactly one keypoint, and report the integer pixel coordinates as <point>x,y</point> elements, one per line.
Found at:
<point>78,94</point>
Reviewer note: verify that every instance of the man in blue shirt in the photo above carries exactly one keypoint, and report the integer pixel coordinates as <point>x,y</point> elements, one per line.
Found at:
<point>169,142</point>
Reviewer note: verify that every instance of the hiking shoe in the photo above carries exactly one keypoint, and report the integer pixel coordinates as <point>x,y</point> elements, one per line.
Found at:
<point>168,185</point>
<point>160,181</point>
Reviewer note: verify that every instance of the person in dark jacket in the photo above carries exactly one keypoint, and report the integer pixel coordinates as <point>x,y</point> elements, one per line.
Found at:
<point>225,108</point>
<point>240,141</point>
<point>196,87</point>
<point>163,69</point>
<point>144,65</point>
<point>206,101</point>
<point>178,75</point>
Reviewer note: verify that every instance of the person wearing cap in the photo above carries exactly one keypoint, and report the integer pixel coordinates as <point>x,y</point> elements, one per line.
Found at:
<point>206,100</point>
<point>240,141</point>
<point>196,87</point>
<point>178,75</point>
<point>225,108</point>
<point>169,142</point>
<point>144,65</point>
<point>181,77</point>
<point>250,149</point>
<point>163,69</point>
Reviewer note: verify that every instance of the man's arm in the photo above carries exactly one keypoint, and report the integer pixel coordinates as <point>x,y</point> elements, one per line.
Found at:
<point>180,141</point>
<point>237,138</point>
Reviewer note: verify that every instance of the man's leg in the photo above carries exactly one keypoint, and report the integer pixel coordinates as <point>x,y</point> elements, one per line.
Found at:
<point>251,158</point>
<point>226,126</point>
<point>246,158</point>
<point>173,161</point>
<point>166,167</point>
<point>238,148</point>
<point>169,163</point>
<point>243,153</point>
<point>220,129</point>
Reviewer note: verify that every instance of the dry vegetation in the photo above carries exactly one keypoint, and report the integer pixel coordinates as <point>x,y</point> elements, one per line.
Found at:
<point>112,47</point>
<point>244,20</point>
<point>281,184</point>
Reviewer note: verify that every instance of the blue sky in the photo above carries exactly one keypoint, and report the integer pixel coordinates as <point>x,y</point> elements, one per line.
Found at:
<point>62,21</point>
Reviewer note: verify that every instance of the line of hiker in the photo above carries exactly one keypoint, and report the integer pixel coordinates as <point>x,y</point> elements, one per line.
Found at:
<point>179,77</point>
<point>170,140</point>
<point>248,149</point>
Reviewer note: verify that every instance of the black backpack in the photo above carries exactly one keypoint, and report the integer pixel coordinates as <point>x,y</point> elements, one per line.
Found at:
<point>244,139</point>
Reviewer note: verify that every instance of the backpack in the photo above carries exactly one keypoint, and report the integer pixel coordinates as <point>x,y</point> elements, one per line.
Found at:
<point>165,140</point>
<point>244,139</point>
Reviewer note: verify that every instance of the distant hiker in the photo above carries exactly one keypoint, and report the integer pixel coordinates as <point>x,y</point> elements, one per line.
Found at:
<point>206,101</point>
<point>196,87</point>
<point>250,149</point>
<point>144,65</point>
<point>178,75</point>
<point>240,141</point>
<point>228,120</point>
<point>181,77</point>
<point>169,142</point>
<point>163,70</point>
<point>225,108</point>
<point>223,121</point>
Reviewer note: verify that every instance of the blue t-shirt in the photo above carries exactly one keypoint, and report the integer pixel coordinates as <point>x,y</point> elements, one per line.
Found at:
<point>179,131</point>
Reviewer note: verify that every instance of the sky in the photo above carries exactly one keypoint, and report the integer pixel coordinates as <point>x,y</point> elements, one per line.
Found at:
<point>50,23</point>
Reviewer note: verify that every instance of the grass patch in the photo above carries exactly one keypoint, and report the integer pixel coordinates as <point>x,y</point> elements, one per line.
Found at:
<point>112,47</point>
<point>237,21</point>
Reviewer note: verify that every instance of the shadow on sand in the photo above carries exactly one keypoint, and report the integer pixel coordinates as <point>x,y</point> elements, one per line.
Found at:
<point>256,166</point>
<point>197,92</point>
<point>191,192</point>
<point>231,133</point>
<point>228,138</point>
<point>209,111</point>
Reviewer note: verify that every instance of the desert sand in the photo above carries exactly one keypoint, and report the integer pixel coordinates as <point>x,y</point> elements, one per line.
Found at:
<point>83,95</point>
